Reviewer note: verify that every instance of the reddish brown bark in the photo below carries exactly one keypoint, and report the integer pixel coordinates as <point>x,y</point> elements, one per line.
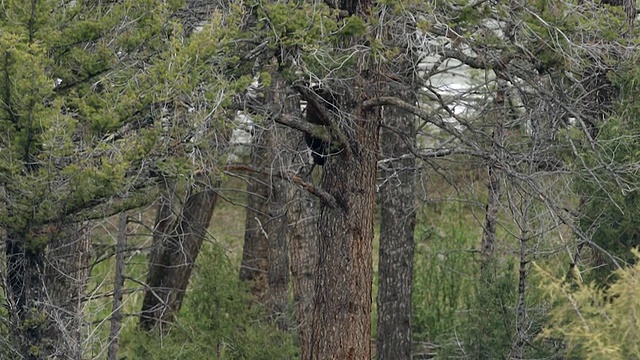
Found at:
<point>341,327</point>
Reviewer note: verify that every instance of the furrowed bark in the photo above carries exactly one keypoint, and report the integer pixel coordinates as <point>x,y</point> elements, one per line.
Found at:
<point>341,326</point>
<point>254,267</point>
<point>45,288</point>
<point>169,276</point>
<point>265,260</point>
<point>303,214</point>
<point>397,222</point>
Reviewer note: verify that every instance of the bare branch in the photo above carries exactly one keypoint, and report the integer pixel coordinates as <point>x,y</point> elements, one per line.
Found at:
<point>291,176</point>
<point>304,126</point>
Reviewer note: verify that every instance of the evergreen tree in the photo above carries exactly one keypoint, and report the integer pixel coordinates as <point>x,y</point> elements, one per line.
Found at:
<point>87,88</point>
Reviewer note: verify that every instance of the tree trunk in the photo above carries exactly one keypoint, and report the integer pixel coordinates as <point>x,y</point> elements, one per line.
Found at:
<point>255,251</point>
<point>302,214</point>
<point>25,295</point>
<point>395,269</point>
<point>518,350</point>
<point>491,217</point>
<point>283,140</point>
<point>177,241</point>
<point>278,271</point>
<point>118,285</point>
<point>171,264</point>
<point>489,236</point>
<point>45,290</point>
<point>265,260</point>
<point>341,327</point>
<point>493,185</point>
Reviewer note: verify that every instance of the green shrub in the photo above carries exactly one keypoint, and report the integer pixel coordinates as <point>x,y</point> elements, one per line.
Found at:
<point>459,309</point>
<point>595,322</point>
<point>218,321</point>
<point>443,280</point>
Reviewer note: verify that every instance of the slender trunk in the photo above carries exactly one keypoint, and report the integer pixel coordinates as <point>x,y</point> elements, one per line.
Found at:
<point>118,285</point>
<point>489,235</point>
<point>575,260</point>
<point>521,205</point>
<point>45,289</point>
<point>341,327</point>
<point>491,217</point>
<point>302,214</point>
<point>395,269</point>
<point>493,185</point>
<point>170,272</point>
<point>278,271</point>
<point>521,331</point>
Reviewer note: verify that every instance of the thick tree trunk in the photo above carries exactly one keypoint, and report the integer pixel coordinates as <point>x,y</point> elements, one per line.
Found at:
<point>303,238</point>
<point>170,266</point>
<point>45,290</point>
<point>341,324</point>
<point>67,271</point>
<point>395,269</point>
<point>341,327</point>
<point>265,260</point>
<point>283,141</point>
<point>177,241</point>
<point>255,251</point>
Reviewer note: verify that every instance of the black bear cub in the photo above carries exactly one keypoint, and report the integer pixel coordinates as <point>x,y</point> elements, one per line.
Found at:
<point>319,148</point>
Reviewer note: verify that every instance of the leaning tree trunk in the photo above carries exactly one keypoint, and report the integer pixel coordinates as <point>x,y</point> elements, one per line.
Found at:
<point>177,241</point>
<point>341,327</point>
<point>45,290</point>
<point>171,264</point>
<point>397,222</point>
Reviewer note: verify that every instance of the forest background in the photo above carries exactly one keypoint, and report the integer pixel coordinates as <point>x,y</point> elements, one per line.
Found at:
<point>350,179</point>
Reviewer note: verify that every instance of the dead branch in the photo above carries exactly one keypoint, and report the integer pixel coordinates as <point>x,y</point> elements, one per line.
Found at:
<point>290,176</point>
